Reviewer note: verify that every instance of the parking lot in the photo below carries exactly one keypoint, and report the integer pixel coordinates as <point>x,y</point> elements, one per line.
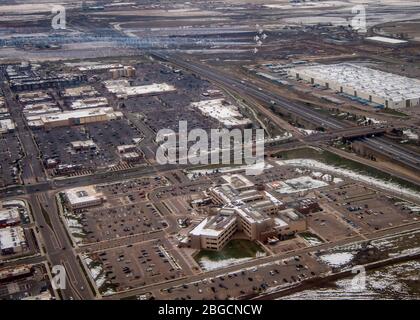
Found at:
<point>56,143</point>
<point>165,110</point>
<point>186,189</point>
<point>246,281</point>
<point>140,264</point>
<point>10,153</point>
<point>368,209</point>
<point>130,191</point>
<point>100,224</point>
<point>329,227</point>
<point>33,284</point>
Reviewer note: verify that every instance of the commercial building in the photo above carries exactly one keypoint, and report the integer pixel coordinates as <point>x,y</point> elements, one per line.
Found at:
<point>12,240</point>
<point>386,89</point>
<point>83,197</point>
<point>40,108</point>
<point>126,71</point>
<point>83,145</point>
<point>15,272</point>
<point>34,97</point>
<point>99,67</point>
<point>79,92</point>
<point>131,157</point>
<point>7,125</point>
<point>256,215</point>
<point>87,103</point>
<point>126,148</point>
<point>4,113</point>
<point>9,217</point>
<point>224,112</point>
<point>36,83</point>
<point>70,118</point>
<point>123,88</point>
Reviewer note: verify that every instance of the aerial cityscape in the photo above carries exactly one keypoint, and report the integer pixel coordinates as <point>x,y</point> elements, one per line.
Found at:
<point>209,150</point>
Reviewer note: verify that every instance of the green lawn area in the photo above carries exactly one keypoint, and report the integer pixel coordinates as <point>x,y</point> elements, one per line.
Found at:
<point>235,249</point>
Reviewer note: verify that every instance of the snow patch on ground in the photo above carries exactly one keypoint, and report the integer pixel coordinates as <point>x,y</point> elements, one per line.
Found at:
<point>208,265</point>
<point>410,134</point>
<point>337,259</point>
<point>314,164</point>
<point>194,174</point>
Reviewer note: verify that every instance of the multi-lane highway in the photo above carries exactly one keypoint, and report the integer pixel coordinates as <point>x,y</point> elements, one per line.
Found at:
<point>406,157</point>
<point>58,247</point>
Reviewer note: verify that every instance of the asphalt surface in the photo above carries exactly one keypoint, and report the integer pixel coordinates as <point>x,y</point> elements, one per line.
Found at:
<point>58,247</point>
<point>408,158</point>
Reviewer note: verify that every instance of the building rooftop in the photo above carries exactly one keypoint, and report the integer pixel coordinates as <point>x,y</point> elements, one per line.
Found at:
<point>7,125</point>
<point>213,226</point>
<point>82,195</point>
<point>382,84</point>
<point>386,40</point>
<point>238,181</point>
<point>222,111</point>
<point>9,214</point>
<point>122,88</point>
<point>82,91</point>
<point>96,67</point>
<point>11,237</point>
<point>86,103</point>
<point>83,144</point>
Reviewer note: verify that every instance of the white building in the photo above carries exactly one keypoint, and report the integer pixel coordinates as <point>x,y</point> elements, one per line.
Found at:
<point>9,217</point>
<point>7,125</point>
<point>12,240</point>
<point>387,89</point>
<point>123,89</point>
<point>76,117</point>
<point>222,111</point>
<point>83,145</point>
<point>95,102</point>
<point>126,148</point>
<point>83,197</point>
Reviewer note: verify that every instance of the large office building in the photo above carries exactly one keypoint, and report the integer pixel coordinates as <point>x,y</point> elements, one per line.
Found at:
<point>386,89</point>
<point>256,215</point>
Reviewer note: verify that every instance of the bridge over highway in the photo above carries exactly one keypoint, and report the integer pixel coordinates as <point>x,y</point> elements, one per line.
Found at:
<point>408,158</point>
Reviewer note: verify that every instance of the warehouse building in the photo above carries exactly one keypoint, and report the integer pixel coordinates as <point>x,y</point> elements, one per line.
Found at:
<point>386,89</point>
